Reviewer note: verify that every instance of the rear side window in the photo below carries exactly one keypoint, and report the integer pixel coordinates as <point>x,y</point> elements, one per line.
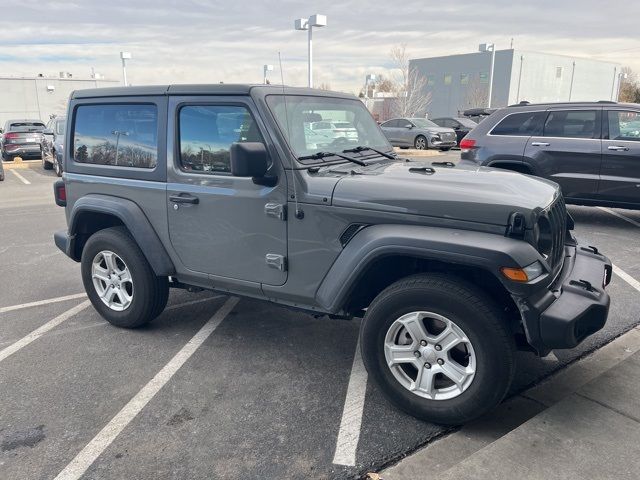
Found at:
<point>520,124</point>
<point>123,135</point>
<point>624,126</point>
<point>390,124</point>
<point>572,124</point>
<point>207,132</point>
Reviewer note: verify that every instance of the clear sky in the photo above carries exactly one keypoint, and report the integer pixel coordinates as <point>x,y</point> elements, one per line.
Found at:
<point>208,41</point>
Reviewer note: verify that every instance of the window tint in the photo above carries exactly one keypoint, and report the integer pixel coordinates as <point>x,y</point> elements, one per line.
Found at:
<point>525,124</point>
<point>390,123</point>
<point>572,124</point>
<point>207,132</point>
<point>624,126</point>
<point>119,135</point>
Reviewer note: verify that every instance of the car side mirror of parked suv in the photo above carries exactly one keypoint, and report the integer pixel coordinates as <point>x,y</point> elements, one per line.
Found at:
<point>250,159</point>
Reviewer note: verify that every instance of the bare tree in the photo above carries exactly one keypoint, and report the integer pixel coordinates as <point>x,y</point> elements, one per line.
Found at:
<point>409,87</point>
<point>477,93</point>
<point>324,86</point>
<point>629,87</point>
<point>381,84</point>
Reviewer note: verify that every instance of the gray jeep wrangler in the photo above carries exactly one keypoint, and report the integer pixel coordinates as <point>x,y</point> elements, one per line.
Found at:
<point>230,188</point>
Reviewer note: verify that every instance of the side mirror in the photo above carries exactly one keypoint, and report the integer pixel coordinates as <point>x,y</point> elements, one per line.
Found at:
<point>409,126</point>
<point>249,159</point>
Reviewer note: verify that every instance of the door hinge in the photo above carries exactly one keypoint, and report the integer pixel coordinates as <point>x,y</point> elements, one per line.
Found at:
<point>276,210</point>
<point>276,261</point>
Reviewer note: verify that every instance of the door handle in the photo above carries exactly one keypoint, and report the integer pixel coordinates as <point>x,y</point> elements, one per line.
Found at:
<point>618,148</point>
<point>182,198</point>
<point>540,144</point>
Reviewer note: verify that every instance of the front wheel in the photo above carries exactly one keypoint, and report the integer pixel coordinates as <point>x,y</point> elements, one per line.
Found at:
<point>439,348</point>
<point>420,143</point>
<point>119,281</point>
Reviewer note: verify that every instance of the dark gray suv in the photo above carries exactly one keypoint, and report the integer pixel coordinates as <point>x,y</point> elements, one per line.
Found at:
<point>592,150</point>
<point>224,187</point>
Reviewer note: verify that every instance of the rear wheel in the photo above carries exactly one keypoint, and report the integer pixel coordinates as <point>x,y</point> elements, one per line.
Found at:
<point>119,281</point>
<point>439,348</point>
<point>420,143</point>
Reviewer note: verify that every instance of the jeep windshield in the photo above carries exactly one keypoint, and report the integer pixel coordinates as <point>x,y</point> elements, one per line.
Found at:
<point>327,125</point>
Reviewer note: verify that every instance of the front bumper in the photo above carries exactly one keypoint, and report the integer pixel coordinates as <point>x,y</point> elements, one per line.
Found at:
<point>574,306</point>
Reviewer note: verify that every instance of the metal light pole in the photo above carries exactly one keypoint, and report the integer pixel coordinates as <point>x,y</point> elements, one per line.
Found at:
<point>125,56</point>
<point>489,47</point>
<point>621,76</point>
<point>118,133</point>
<point>308,24</point>
<point>265,69</point>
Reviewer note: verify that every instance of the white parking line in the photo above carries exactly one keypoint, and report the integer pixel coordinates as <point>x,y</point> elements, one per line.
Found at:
<point>42,302</point>
<point>37,333</point>
<point>20,177</point>
<point>626,277</point>
<point>349,434</point>
<point>619,215</point>
<point>76,468</point>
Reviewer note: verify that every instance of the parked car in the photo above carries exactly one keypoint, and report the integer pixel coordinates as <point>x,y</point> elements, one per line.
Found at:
<point>461,125</point>
<point>418,133</point>
<point>450,270</point>
<point>21,138</point>
<point>335,130</point>
<point>53,145</point>
<point>478,114</point>
<point>1,171</point>
<point>592,149</point>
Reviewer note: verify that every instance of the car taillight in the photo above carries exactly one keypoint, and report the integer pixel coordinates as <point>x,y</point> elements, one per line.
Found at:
<point>10,135</point>
<point>60,193</point>
<point>467,143</point>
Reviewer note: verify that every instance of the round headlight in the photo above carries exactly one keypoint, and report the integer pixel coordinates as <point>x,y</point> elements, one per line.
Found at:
<point>543,236</point>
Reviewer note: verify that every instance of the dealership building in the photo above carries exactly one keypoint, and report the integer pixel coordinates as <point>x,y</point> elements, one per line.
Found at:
<point>40,97</point>
<point>459,82</point>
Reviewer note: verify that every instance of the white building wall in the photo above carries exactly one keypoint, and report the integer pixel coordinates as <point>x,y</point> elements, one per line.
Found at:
<point>547,78</point>
<point>31,97</point>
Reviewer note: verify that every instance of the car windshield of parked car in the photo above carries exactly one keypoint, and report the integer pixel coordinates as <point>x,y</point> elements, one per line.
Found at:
<point>325,124</point>
<point>422,123</point>
<point>26,127</point>
<point>466,122</point>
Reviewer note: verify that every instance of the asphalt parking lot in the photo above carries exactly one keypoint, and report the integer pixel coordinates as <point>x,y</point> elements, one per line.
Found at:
<point>269,393</point>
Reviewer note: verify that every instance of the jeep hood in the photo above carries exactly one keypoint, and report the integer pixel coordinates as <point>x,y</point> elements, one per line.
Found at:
<point>483,195</point>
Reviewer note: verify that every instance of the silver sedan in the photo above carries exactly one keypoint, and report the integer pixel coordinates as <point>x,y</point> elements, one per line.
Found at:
<point>418,133</point>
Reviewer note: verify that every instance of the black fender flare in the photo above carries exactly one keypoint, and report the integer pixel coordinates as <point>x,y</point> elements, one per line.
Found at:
<point>462,247</point>
<point>133,218</point>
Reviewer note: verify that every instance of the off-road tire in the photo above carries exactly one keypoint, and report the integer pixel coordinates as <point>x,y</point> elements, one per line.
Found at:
<point>150,291</point>
<point>474,312</point>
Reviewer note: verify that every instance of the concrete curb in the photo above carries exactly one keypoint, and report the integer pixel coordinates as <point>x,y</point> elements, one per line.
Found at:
<point>412,152</point>
<point>19,163</point>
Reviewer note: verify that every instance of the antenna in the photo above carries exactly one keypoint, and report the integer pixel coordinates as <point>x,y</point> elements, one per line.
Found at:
<point>298,213</point>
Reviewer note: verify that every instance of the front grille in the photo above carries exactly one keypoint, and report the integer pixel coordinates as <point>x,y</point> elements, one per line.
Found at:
<point>556,213</point>
<point>447,137</point>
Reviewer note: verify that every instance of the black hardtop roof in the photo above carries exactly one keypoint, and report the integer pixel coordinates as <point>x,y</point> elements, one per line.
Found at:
<point>201,89</point>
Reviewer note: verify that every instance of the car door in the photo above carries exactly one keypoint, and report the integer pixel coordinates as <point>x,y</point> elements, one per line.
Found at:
<point>406,132</point>
<point>569,150</point>
<point>390,130</point>
<point>224,226</point>
<point>620,171</point>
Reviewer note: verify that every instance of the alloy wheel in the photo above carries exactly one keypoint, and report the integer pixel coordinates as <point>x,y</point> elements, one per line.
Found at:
<point>112,280</point>
<point>429,355</point>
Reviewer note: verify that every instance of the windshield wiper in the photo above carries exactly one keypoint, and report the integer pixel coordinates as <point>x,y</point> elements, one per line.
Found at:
<point>361,148</point>
<point>320,155</point>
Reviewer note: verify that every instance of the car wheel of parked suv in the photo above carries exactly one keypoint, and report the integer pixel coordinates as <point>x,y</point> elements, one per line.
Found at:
<point>420,143</point>
<point>119,281</point>
<point>56,166</point>
<point>46,165</point>
<point>439,348</point>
